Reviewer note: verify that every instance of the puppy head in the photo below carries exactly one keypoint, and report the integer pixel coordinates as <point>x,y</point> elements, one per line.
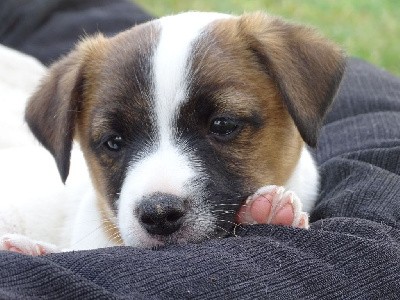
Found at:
<point>182,118</point>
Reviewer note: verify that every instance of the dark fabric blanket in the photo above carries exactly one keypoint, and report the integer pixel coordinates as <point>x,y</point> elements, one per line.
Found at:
<point>352,250</point>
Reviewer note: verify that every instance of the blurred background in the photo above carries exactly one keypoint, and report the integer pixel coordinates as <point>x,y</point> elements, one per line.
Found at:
<point>369,29</point>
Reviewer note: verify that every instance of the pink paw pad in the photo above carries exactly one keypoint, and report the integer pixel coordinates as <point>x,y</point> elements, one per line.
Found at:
<point>273,205</point>
<point>24,245</point>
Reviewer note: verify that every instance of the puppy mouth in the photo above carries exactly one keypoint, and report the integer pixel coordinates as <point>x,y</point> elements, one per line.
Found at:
<point>164,219</point>
<point>183,236</point>
<point>196,228</point>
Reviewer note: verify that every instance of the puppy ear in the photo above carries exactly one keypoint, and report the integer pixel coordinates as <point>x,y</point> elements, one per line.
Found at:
<point>52,111</point>
<point>306,67</point>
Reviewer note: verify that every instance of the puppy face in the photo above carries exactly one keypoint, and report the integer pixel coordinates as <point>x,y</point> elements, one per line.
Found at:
<point>182,118</point>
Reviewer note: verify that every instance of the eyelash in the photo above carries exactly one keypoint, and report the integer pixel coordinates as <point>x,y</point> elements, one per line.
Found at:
<point>224,127</point>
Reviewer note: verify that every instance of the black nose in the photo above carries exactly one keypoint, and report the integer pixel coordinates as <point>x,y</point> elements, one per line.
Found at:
<point>161,213</point>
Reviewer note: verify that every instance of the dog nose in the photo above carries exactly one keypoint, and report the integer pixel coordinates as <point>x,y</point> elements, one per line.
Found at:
<point>161,213</point>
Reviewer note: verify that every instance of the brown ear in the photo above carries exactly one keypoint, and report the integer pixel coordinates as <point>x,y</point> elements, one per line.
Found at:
<point>52,110</point>
<point>305,66</point>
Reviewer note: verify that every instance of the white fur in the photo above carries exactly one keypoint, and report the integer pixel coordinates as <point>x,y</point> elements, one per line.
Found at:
<point>166,170</point>
<point>33,200</point>
<point>19,76</point>
<point>85,228</point>
<point>305,180</point>
<point>21,156</point>
<point>171,63</point>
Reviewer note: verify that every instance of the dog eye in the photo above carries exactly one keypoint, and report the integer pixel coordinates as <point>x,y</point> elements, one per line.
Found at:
<point>223,126</point>
<point>114,143</point>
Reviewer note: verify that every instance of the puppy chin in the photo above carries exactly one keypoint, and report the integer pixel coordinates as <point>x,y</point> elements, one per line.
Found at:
<point>139,238</point>
<point>136,236</point>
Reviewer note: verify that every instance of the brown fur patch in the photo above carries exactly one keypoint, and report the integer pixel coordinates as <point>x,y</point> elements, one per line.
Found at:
<point>52,110</point>
<point>306,67</point>
<point>225,67</point>
<point>284,74</point>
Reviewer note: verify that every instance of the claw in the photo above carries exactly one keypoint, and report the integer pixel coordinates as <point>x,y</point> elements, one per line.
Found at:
<point>273,205</point>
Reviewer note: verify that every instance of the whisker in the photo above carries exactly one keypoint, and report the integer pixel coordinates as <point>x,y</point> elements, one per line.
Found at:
<point>224,211</point>
<point>220,227</point>
<point>234,229</point>
<point>113,194</point>
<point>227,204</point>
<point>115,238</point>
<point>105,224</point>
<point>230,222</point>
<point>87,235</point>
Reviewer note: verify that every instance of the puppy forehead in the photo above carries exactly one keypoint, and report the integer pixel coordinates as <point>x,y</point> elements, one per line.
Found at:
<point>163,71</point>
<point>121,83</point>
<point>147,67</point>
<point>172,61</point>
<point>203,57</point>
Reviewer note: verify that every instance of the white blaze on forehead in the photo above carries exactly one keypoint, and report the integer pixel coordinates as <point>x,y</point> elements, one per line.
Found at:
<point>171,63</point>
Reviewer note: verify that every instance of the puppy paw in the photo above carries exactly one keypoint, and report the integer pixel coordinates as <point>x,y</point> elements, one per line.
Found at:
<point>271,204</point>
<point>24,245</point>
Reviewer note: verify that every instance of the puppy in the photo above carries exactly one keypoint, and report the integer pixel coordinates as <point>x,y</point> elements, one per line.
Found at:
<point>181,121</point>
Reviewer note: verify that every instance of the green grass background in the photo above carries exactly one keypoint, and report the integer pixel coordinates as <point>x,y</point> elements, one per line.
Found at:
<point>369,29</point>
